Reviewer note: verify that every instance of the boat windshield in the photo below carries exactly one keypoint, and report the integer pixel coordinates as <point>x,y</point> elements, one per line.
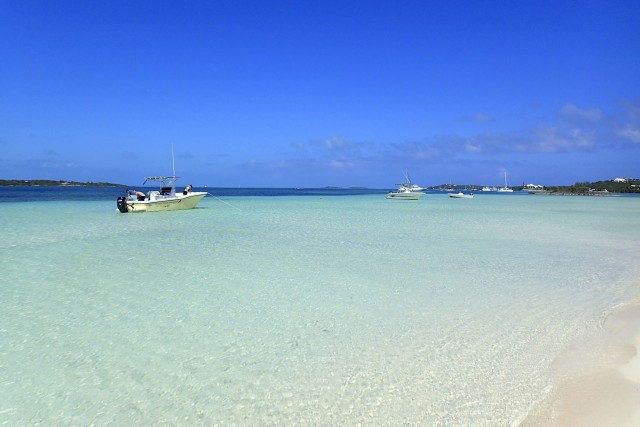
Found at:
<point>167,181</point>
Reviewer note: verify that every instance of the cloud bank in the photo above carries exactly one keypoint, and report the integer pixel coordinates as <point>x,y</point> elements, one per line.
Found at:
<point>571,129</point>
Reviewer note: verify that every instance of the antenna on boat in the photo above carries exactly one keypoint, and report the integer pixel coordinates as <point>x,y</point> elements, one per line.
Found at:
<point>173,162</point>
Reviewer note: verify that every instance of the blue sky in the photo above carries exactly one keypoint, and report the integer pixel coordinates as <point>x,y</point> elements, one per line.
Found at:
<point>312,94</point>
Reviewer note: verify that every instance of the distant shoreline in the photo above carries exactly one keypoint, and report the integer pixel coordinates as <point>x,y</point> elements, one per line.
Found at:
<point>600,188</point>
<point>588,194</point>
<point>53,183</point>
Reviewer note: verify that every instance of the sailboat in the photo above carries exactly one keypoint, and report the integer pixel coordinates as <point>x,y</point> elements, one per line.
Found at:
<point>506,188</point>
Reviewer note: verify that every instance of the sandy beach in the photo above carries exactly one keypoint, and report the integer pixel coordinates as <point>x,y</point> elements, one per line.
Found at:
<point>599,388</point>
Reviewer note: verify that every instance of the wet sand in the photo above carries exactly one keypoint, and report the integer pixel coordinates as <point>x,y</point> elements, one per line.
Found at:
<point>599,389</point>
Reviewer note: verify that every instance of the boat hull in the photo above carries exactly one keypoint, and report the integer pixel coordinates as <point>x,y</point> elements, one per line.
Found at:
<point>179,202</point>
<point>461,196</point>
<point>405,195</point>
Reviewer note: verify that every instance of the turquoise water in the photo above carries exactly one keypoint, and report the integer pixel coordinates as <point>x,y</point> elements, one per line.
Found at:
<point>312,309</point>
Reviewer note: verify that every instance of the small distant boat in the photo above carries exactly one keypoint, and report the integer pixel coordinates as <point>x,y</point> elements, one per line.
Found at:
<point>409,185</point>
<point>404,194</point>
<point>415,187</point>
<point>506,188</point>
<point>489,189</point>
<point>461,195</point>
<point>158,201</point>
<point>406,190</point>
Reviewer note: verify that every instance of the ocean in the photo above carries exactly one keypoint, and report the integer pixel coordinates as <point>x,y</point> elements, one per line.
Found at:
<point>302,307</point>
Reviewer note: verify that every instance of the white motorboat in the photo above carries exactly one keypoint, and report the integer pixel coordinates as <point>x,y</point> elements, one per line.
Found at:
<point>403,193</point>
<point>417,188</point>
<point>461,195</point>
<point>157,201</point>
<point>409,185</point>
<point>406,190</point>
<point>164,200</point>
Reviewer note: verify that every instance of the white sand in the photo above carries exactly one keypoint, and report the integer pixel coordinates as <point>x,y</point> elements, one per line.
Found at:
<point>600,389</point>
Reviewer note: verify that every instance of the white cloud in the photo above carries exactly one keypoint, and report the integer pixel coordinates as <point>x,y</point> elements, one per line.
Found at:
<point>333,143</point>
<point>340,164</point>
<point>630,133</point>
<point>574,129</point>
<point>57,165</point>
<point>472,148</point>
<point>482,118</point>
<point>582,139</point>
<point>267,165</point>
<point>632,108</point>
<point>572,111</point>
<point>548,141</point>
<point>299,145</point>
<point>551,140</point>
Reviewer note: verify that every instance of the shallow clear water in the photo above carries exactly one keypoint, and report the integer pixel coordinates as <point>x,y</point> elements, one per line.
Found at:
<point>310,309</point>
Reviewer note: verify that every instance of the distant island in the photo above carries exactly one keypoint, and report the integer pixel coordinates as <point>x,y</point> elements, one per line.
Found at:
<point>343,188</point>
<point>618,185</point>
<point>53,183</point>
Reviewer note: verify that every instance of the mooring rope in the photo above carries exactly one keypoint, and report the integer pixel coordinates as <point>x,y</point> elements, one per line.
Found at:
<point>218,198</point>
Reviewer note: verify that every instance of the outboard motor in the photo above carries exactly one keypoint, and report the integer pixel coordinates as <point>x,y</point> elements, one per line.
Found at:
<point>122,204</point>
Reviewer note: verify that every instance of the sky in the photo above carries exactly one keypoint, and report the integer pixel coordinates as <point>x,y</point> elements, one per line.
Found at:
<point>320,93</point>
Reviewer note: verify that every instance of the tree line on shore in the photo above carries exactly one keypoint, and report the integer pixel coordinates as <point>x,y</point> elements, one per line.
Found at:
<point>628,186</point>
<point>53,183</point>
<point>613,186</point>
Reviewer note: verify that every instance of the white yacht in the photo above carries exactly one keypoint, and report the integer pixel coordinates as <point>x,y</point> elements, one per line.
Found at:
<point>404,193</point>
<point>406,190</point>
<point>415,187</point>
